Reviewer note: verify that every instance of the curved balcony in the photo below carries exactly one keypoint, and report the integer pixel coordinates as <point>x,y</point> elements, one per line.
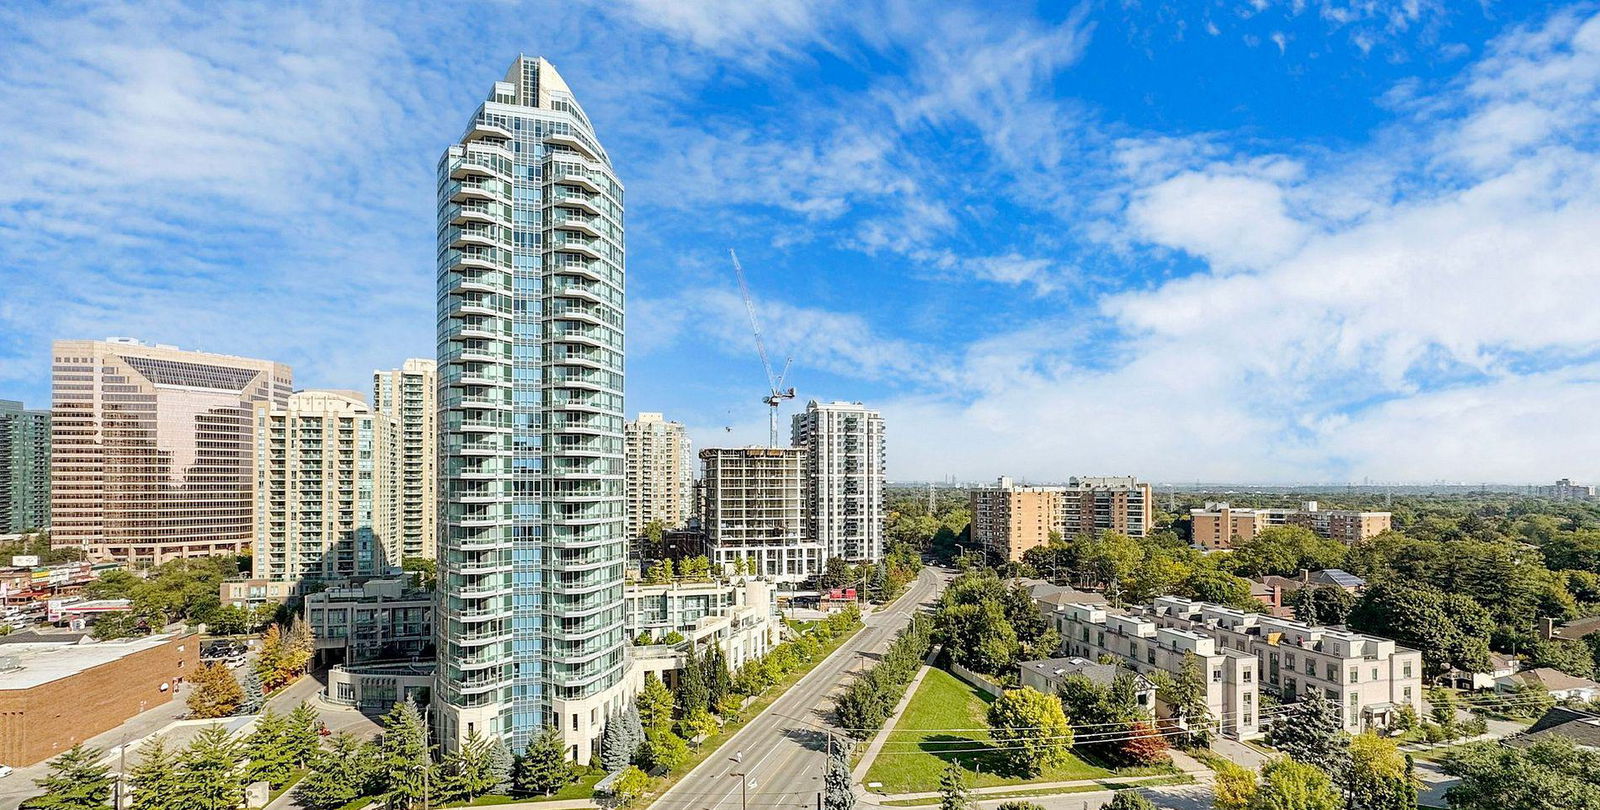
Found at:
<point>582,202</point>
<point>586,225</point>
<point>573,141</point>
<point>486,129</point>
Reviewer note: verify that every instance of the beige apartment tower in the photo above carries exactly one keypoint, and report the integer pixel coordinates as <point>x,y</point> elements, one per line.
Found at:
<point>660,478</point>
<point>754,510</point>
<point>323,489</point>
<point>1008,518</point>
<point>152,448</point>
<point>408,396</point>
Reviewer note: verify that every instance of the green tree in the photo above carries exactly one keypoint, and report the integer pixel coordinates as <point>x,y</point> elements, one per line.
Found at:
<point>212,776</point>
<point>213,692</point>
<point>837,790</point>
<point>1185,694</point>
<point>74,782</point>
<point>655,705</point>
<point>469,771</point>
<point>1030,730</point>
<point>338,775</point>
<point>1285,550</point>
<point>1314,734</point>
<point>1549,774</point>
<point>423,570</point>
<point>302,729</point>
<point>1234,786</point>
<point>153,779</point>
<point>543,767</point>
<point>1450,630</point>
<point>269,750</point>
<point>1129,800</point>
<point>664,750</point>
<point>1379,776</point>
<point>1289,785</point>
<point>615,752</point>
<point>1322,604</point>
<point>629,788</point>
<point>404,759</point>
<point>953,792</point>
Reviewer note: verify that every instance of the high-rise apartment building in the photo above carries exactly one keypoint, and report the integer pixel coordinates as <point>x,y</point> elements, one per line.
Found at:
<point>754,510</point>
<point>1094,504</point>
<point>532,537</point>
<point>844,450</point>
<point>323,490</point>
<point>1565,490</point>
<point>660,478</point>
<point>24,468</point>
<point>1010,518</point>
<point>152,448</point>
<point>408,397</point>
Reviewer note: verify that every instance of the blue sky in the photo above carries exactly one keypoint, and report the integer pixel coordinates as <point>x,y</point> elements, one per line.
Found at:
<point>1230,240</point>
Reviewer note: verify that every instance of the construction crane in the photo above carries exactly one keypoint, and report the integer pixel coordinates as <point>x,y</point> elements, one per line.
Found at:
<point>776,393</point>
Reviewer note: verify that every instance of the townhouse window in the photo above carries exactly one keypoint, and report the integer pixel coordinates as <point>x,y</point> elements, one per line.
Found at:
<point>1405,670</point>
<point>1355,675</point>
<point>1246,676</point>
<point>1216,676</point>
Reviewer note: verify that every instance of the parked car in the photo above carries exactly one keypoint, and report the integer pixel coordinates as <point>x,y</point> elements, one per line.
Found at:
<point>5,770</point>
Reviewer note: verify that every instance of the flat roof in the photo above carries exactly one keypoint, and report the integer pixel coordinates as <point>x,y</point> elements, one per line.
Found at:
<point>43,663</point>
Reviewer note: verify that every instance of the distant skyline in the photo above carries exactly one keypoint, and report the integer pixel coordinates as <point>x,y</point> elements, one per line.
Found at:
<point>1234,240</point>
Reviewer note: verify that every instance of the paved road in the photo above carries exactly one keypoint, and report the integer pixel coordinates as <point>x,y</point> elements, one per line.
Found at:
<point>783,749</point>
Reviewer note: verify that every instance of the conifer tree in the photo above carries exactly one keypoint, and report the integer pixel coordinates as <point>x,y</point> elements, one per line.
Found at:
<point>212,776</point>
<point>153,780</point>
<point>267,749</point>
<point>74,782</point>
<point>1314,734</point>
<point>338,776</point>
<point>302,732</point>
<point>953,792</point>
<point>543,768</point>
<point>614,751</point>
<point>403,757</point>
<point>838,794</point>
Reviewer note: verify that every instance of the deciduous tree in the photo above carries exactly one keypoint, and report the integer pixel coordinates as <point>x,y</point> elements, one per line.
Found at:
<point>1030,729</point>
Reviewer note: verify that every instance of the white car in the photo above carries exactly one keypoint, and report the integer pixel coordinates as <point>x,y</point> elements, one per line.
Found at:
<point>5,770</point>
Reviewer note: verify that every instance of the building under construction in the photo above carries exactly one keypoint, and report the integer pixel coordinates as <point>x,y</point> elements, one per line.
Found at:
<point>753,505</point>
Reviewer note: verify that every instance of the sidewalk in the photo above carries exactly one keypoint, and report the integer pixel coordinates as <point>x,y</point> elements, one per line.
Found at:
<point>1032,786</point>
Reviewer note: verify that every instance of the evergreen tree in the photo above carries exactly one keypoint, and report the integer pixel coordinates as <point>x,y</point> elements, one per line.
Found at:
<point>403,757</point>
<point>953,792</point>
<point>614,751</point>
<point>74,782</point>
<point>836,783</point>
<point>212,777</point>
<point>214,692</point>
<point>267,748</point>
<point>153,781</point>
<point>655,705</point>
<point>468,771</point>
<point>500,762</point>
<point>543,768</point>
<point>302,732</point>
<point>634,729</point>
<point>254,696</point>
<point>338,775</point>
<point>1314,734</point>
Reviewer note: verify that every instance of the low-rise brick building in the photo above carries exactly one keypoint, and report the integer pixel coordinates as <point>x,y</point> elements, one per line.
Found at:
<point>55,695</point>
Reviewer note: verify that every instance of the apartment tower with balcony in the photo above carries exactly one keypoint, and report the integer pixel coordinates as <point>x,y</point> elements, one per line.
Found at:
<point>844,453</point>
<point>152,448</point>
<point>408,397</point>
<point>660,479</point>
<point>324,492</point>
<point>532,537</point>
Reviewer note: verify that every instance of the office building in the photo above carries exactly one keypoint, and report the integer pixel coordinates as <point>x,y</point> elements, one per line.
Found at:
<point>1094,504</point>
<point>1368,677</point>
<point>844,450</point>
<point>151,448</point>
<point>754,510</point>
<point>660,479</point>
<point>408,397</point>
<point>322,489</point>
<point>1140,643</point>
<point>1010,518</point>
<point>532,537</point>
<point>54,695</point>
<point>24,468</point>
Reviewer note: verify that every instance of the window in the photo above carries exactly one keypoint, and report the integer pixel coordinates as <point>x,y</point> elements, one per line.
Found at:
<point>1216,676</point>
<point>1246,676</point>
<point>1405,671</point>
<point>1355,674</point>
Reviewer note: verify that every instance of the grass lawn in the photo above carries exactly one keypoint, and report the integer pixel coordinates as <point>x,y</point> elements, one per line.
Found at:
<point>581,789</point>
<point>911,761</point>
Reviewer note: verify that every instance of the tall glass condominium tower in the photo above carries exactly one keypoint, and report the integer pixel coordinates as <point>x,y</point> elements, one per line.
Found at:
<point>530,371</point>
